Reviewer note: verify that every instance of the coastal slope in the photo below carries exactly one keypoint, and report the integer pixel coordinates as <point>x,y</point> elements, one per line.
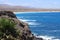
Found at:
<point>6,7</point>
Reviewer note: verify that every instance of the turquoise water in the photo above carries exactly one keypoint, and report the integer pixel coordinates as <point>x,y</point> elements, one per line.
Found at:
<point>42,23</point>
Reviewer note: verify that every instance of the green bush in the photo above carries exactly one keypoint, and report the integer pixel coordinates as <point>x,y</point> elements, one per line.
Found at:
<point>7,27</point>
<point>6,23</point>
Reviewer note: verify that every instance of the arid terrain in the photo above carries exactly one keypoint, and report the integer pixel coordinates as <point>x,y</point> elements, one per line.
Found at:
<point>6,7</point>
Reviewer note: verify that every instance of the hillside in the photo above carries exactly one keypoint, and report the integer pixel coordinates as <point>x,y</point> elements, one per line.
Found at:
<point>6,7</point>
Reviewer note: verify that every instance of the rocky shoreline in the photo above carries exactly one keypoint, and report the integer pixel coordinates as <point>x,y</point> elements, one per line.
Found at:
<point>25,33</point>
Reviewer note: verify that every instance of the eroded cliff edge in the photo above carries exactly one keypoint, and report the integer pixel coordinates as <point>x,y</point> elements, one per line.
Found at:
<point>25,33</point>
<point>21,30</point>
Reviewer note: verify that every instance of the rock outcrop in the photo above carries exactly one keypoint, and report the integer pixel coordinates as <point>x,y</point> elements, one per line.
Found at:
<point>21,27</point>
<point>25,33</point>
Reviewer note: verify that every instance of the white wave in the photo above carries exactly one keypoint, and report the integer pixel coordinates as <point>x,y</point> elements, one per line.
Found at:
<point>27,20</point>
<point>30,22</point>
<point>47,37</point>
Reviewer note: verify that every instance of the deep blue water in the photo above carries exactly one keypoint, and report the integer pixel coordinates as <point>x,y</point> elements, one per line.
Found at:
<point>43,23</point>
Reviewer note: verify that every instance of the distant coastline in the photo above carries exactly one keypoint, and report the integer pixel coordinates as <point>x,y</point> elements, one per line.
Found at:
<point>28,10</point>
<point>35,12</point>
<point>5,7</point>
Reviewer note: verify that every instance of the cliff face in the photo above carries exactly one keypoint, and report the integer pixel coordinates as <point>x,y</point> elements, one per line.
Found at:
<point>22,27</point>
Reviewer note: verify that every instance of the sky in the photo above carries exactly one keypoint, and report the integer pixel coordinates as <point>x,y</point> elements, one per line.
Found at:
<point>34,3</point>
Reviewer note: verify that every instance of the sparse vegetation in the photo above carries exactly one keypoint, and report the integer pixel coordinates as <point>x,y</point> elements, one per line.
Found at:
<point>13,29</point>
<point>7,28</point>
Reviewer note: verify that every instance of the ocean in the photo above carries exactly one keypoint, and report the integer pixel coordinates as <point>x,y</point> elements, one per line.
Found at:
<point>42,24</point>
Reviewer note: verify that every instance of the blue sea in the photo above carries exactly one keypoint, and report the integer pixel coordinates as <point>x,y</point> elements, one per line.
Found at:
<point>42,24</point>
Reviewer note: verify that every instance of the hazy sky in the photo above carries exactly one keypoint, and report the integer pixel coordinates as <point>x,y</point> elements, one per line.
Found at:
<point>34,3</point>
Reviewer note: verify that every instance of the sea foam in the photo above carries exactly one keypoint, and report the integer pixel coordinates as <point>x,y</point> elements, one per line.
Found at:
<point>47,37</point>
<point>30,22</point>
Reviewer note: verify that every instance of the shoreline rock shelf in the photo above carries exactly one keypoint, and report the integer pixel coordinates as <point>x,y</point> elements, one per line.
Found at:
<point>22,28</point>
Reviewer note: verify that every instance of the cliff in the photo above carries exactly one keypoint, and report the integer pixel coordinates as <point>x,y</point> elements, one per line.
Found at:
<point>21,28</point>
<point>13,29</point>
